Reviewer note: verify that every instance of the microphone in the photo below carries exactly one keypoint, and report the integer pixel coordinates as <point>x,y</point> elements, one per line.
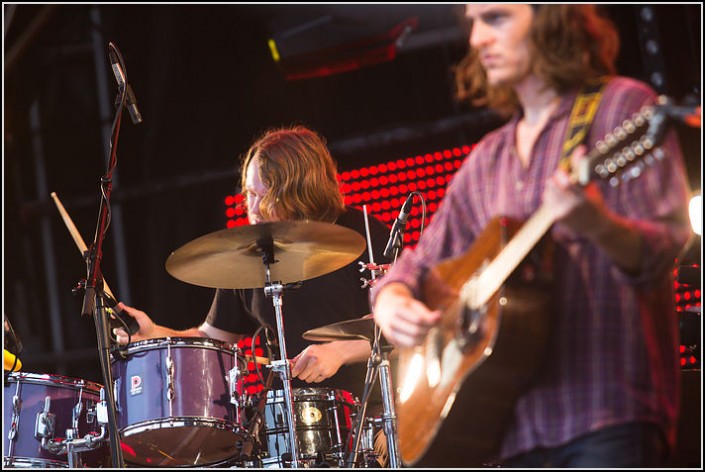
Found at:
<point>399,226</point>
<point>120,78</point>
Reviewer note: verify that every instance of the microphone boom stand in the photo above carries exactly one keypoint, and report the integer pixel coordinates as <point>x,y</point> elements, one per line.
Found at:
<point>379,361</point>
<point>93,301</point>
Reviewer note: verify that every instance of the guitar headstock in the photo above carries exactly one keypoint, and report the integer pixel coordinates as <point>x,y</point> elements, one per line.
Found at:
<point>624,153</point>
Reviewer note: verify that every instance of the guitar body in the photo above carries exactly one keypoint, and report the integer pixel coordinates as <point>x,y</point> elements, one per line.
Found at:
<point>474,363</point>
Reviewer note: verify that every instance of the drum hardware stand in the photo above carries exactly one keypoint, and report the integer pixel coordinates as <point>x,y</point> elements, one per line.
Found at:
<point>379,362</point>
<point>281,366</point>
<point>362,411</point>
<point>379,356</point>
<point>389,417</point>
<point>94,298</point>
<point>376,271</point>
<point>255,423</point>
<point>71,446</point>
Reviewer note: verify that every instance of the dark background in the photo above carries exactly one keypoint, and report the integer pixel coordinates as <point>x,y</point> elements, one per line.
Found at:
<point>207,86</point>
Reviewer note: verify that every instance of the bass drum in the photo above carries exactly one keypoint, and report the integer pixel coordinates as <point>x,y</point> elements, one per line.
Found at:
<point>50,407</point>
<point>179,401</point>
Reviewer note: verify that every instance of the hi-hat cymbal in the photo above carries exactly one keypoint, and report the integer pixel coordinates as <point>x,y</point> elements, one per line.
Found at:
<point>360,328</point>
<point>233,258</point>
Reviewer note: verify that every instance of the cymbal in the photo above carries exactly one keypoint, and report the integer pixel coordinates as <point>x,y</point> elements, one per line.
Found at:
<point>360,328</point>
<point>233,257</point>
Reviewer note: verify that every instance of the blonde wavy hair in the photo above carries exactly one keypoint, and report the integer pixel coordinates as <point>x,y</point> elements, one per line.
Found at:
<point>571,44</point>
<point>297,168</point>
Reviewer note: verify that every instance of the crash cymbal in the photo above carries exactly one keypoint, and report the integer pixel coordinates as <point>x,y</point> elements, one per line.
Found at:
<point>232,258</point>
<point>360,328</point>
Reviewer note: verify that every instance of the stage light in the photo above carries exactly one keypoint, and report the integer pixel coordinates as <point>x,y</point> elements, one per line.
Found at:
<point>696,213</point>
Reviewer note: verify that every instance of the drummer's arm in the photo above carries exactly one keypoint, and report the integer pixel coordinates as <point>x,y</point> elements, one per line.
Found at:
<point>353,351</point>
<point>320,361</point>
<point>209,331</point>
<point>149,329</point>
<point>343,352</point>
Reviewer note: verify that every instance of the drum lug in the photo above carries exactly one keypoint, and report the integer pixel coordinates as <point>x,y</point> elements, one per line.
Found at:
<point>169,378</point>
<point>101,409</point>
<point>233,376</point>
<point>233,379</point>
<point>14,422</point>
<point>76,412</point>
<point>116,398</point>
<point>44,426</point>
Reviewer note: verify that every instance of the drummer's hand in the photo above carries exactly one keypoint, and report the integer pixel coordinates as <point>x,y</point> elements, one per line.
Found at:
<point>404,320</point>
<point>147,327</point>
<point>317,362</point>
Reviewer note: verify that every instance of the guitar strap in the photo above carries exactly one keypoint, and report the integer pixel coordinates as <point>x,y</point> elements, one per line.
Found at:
<point>581,117</point>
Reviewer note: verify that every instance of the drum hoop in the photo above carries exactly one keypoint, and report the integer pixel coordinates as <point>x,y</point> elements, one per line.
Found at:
<point>316,394</point>
<point>178,343</point>
<point>53,379</point>
<point>180,422</point>
<point>268,460</point>
<point>31,462</point>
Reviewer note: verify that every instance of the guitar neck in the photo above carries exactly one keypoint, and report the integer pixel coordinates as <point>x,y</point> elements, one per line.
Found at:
<point>511,255</point>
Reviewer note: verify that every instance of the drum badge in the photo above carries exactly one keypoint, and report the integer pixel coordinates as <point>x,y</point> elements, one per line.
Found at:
<point>311,415</point>
<point>135,385</point>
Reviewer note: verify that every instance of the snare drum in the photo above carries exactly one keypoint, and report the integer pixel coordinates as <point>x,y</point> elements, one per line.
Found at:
<point>323,420</point>
<point>179,401</point>
<point>53,408</point>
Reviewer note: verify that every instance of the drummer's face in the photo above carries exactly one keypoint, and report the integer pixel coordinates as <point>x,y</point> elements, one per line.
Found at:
<point>256,190</point>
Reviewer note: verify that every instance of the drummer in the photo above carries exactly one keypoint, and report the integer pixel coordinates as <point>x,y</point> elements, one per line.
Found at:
<point>288,174</point>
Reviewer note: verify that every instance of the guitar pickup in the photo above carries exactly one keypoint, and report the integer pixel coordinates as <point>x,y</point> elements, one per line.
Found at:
<point>470,326</point>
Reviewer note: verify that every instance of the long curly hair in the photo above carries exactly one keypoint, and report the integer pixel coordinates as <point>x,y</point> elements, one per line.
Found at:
<point>296,166</point>
<point>570,45</point>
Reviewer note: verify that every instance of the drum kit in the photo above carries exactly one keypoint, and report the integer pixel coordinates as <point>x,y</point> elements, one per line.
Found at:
<point>182,402</point>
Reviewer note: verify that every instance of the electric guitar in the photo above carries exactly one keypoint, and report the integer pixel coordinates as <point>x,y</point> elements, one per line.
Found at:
<point>496,317</point>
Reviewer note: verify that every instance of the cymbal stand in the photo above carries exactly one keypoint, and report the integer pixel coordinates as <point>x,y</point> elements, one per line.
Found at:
<point>379,363</point>
<point>362,412</point>
<point>281,366</point>
<point>389,418</point>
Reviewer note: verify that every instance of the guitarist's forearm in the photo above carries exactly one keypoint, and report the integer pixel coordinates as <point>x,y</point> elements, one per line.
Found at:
<point>621,241</point>
<point>641,247</point>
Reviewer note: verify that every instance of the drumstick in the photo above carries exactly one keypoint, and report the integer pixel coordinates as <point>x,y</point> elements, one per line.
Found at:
<point>129,320</point>
<point>76,235</point>
<point>257,359</point>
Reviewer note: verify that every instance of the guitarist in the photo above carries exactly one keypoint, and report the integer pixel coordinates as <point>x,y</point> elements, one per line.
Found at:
<point>606,393</point>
